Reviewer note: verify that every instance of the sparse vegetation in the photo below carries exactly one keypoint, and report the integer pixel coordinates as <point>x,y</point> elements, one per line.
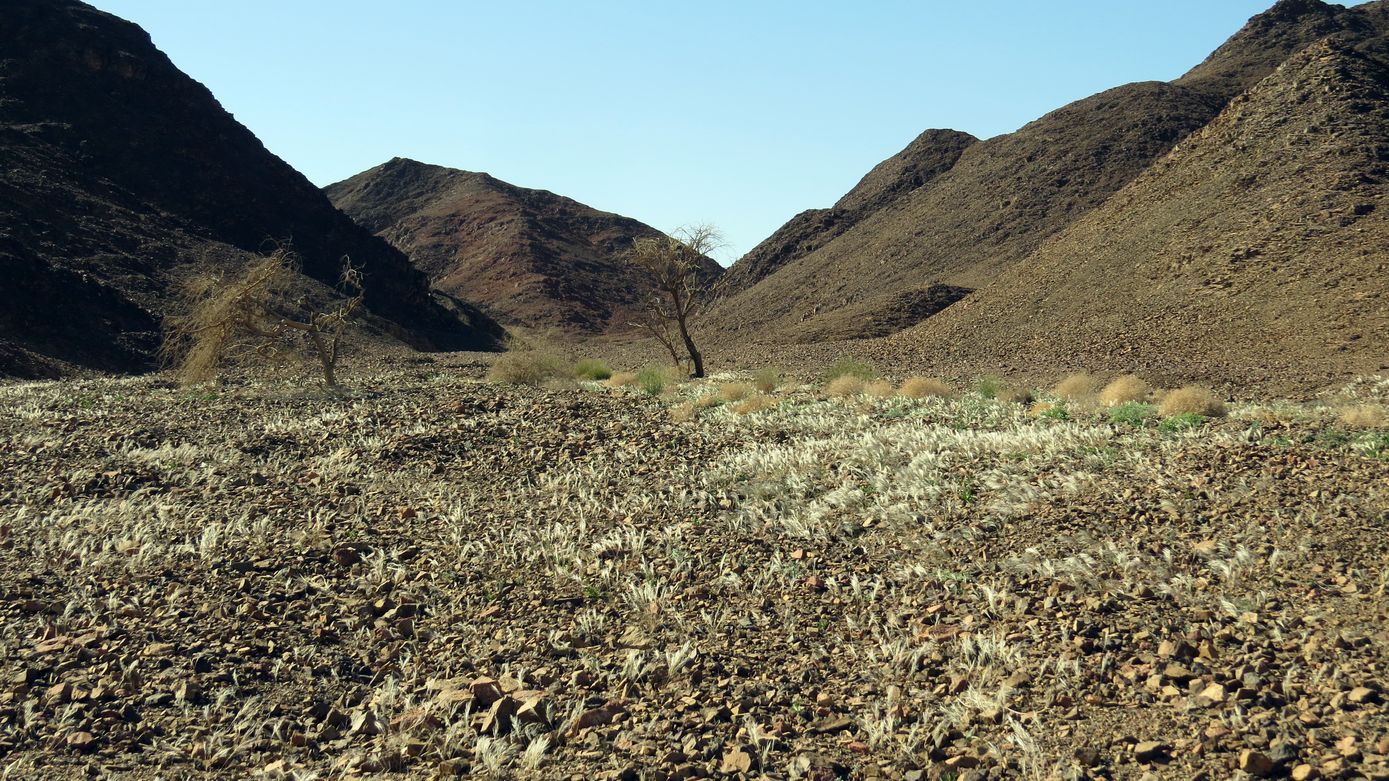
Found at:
<point>1127,389</point>
<point>529,367</point>
<point>766,380</point>
<point>592,369</point>
<point>1192,400</point>
<point>989,386</point>
<point>622,379</point>
<point>674,265</point>
<point>1181,422</point>
<point>652,381</point>
<point>256,316</point>
<point>924,388</point>
<point>931,561</point>
<point>845,385</point>
<point>1132,413</point>
<point>847,367</point>
<point>735,391</point>
<point>1363,416</point>
<point>1076,387</point>
<point>878,389</point>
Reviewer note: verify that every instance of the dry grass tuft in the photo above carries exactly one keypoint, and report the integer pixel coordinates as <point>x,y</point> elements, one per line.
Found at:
<point>1192,400</point>
<point>844,385</point>
<point>1124,390</point>
<point>529,367</point>
<point>1076,387</point>
<point>735,391</point>
<point>1363,416</point>
<point>754,404</point>
<point>879,389</point>
<point>925,388</point>
<point>684,413</point>
<point>1015,395</point>
<point>766,380</point>
<point>621,379</point>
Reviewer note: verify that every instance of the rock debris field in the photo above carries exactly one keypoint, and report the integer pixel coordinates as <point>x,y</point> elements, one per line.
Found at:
<point>434,576</point>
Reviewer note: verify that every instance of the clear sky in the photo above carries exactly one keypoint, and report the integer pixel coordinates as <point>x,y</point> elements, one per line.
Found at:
<point>739,113</point>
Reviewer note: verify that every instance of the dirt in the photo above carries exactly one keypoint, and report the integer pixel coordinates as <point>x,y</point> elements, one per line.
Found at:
<point>529,257</point>
<point>430,576</point>
<point>123,176</point>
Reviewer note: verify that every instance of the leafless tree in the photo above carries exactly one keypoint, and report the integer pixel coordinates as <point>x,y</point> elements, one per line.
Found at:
<point>231,320</point>
<point>674,264</point>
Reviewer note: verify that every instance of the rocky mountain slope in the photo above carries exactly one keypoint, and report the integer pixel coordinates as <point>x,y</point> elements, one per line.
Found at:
<point>1004,197</point>
<point>1288,278</point>
<point>928,156</point>
<point>530,257</point>
<point>123,175</point>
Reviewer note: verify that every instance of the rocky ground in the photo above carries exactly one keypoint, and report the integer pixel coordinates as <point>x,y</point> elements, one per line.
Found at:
<point>437,576</point>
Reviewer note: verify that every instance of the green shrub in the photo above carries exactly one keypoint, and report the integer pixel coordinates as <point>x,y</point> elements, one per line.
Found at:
<point>766,380</point>
<point>1182,422</point>
<point>1056,412</point>
<point>847,367</point>
<point>1132,413</point>
<point>652,381</point>
<point>988,386</point>
<point>592,369</point>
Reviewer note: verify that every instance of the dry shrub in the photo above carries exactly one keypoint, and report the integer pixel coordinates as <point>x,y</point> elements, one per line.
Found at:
<point>1124,390</point>
<point>754,404</point>
<point>845,385</point>
<point>1076,387</point>
<point>766,380</point>
<point>621,379</point>
<point>1015,395</point>
<point>1363,416</point>
<point>684,413</point>
<point>924,388</point>
<point>735,391</point>
<point>708,400</point>
<point>879,389</point>
<point>1192,400</point>
<point>528,367</point>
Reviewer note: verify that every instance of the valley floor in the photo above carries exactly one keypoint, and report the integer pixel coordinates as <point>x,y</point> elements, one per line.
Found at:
<point>439,576</point>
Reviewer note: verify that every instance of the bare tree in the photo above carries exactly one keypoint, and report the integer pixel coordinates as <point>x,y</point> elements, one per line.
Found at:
<point>674,265</point>
<point>229,321</point>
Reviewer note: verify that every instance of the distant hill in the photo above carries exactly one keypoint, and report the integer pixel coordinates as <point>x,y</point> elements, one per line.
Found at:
<point>123,175</point>
<point>529,257</point>
<point>1004,197</point>
<point>1256,251</point>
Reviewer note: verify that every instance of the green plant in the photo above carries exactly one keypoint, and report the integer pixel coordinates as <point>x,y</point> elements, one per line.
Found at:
<point>847,367</point>
<point>1056,412</point>
<point>1182,422</point>
<point>1131,413</point>
<point>988,386</point>
<point>652,381</point>
<point>592,369</point>
<point>766,380</point>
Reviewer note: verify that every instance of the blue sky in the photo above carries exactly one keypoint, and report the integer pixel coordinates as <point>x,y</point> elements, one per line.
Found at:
<point>736,113</point>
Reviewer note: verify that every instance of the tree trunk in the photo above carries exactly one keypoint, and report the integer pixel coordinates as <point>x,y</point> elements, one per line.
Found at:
<point>324,358</point>
<point>695,357</point>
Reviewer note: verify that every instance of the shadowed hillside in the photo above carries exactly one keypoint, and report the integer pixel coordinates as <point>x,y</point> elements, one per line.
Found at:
<point>122,175</point>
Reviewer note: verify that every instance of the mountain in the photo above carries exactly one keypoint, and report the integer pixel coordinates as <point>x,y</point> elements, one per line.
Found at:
<point>529,257</point>
<point>1257,251</point>
<point>928,156</point>
<point>123,175</point>
<point>1002,198</point>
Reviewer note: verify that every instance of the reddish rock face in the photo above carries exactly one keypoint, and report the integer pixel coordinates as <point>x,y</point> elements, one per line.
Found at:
<point>123,175</point>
